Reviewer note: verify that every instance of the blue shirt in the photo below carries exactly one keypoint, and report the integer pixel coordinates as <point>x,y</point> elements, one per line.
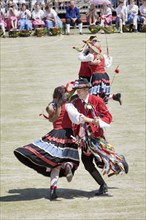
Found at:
<point>73,13</point>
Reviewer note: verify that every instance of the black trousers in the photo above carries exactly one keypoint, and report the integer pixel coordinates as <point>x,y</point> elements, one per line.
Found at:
<point>90,167</point>
<point>69,21</point>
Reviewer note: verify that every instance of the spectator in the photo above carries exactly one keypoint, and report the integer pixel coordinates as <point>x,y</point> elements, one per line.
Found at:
<point>37,16</point>
<point>32,3</point>
<point>132,10</point>
<point>16,2</point>
<point>24,22</point>
<point>42,4</point>
<point>51,18</point>
<point>73,17</point>
<point>12,15</point>
<point>92,15</point>
<point>22,2</point>
<point>106,15</point>
<point>121,12</point>
<point>2,17</point>
<point>142,16</point>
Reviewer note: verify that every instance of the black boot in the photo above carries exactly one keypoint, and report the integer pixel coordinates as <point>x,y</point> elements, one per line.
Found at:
<point>117,97</point>
<point>102,190</point>
<point>53,194</point>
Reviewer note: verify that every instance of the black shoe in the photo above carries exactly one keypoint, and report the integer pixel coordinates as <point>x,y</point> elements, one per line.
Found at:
<point>117,97</point>
<point>102,190</point>
<point>53,195</point>
<point>125,164</point>
<point>68,172</point>
<point>81,33</point>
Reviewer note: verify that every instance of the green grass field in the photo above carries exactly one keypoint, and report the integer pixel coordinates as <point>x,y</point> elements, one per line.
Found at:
<point>30,70</point>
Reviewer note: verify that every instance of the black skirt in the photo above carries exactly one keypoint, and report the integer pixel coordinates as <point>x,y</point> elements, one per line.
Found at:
<point>52,150</point>
<point>100,83</point>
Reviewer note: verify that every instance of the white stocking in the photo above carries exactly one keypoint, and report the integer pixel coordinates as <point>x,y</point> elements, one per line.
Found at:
<point>55,177</point>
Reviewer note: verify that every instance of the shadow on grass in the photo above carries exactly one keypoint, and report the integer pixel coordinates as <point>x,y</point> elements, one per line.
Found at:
<point>39,193</point>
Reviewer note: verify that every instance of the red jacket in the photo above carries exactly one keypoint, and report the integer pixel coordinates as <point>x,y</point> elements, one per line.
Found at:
<point>100,110</point>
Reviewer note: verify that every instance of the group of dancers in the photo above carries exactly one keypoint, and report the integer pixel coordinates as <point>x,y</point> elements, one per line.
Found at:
<point>79,114</point>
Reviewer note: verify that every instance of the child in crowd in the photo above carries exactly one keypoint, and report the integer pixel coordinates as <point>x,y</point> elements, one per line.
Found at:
<point>51,18</point>
<point>92,15</point>
<point>24,22</point>
<point>132,10</point>
<point>12,15</point>
<point>106,15</point>
<point>37,16</point>
<point>42,4</point>
<point>32,3</point>
<point>121,18</point>
<point>142,16</point>
<point>2,22</point>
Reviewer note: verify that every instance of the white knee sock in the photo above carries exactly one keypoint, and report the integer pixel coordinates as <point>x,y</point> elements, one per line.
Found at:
<point>80,27</point>
<point>54,177</point>
<point>68,28</point>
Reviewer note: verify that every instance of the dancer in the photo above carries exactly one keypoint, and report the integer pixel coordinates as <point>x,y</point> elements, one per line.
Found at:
<point>84,71</point>
<point>99,78</point>
<point>82,87</point>
<point>55,154</point>
<point>94,145</point>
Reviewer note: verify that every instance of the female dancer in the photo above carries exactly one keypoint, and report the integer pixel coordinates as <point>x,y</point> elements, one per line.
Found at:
<point>99,78</point>
<point>55,154</point>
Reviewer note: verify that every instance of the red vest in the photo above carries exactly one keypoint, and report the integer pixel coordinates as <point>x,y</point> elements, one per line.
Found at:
<point>63,120</point>
<point>85,69</point>
<point>98,68</point>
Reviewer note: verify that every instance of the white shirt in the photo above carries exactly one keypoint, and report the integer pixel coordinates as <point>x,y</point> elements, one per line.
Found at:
<point>86,58</point>
<point>132,9</point>
<point>38,14</point>
<point>143,9</point>
<point>73,113</point>
<point>50,14</point>
<point>24,15</point>
<point>106,11</point>
<point>121,10</point>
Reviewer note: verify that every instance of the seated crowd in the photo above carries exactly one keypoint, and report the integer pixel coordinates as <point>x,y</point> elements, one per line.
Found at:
<point>18,14</point>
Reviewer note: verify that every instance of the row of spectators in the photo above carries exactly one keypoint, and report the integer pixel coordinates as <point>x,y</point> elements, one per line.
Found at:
<point>125,14</point>
<point>42,14</point>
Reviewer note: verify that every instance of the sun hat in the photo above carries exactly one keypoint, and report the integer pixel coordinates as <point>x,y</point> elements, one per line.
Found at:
<point>94,47</point>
